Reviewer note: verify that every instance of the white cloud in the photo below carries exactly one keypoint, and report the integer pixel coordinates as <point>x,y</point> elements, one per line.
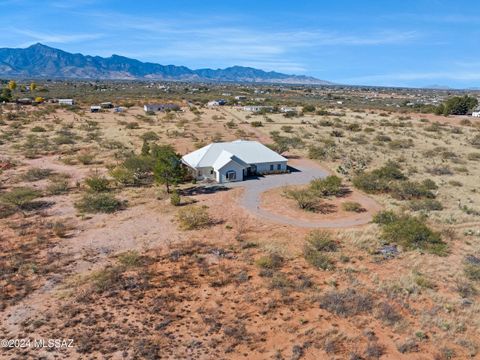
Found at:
<point>42,37</point>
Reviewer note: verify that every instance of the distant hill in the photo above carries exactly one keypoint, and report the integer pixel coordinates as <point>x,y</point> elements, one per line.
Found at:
<point>41,61</point>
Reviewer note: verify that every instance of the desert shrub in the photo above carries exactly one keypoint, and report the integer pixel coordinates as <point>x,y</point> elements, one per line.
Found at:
<point>316,243</point>
<point>472,268</point>
<point>36,174</point>
<point>256,123</point>
<point>321,152</point>
<point>318,259</point>
<point>38,129</point>
<point>19,198</point>
<point>400,144</point>
<point>429,184</point>
<point>383,138</point>
<point>354,127</point>
<point>346,303</point>
<point>473,156</point>
<point>97,183</point>
<point>384,217</point>
<point>64,137</point>
<point>440,170</point>
<point>455,183</point>
<point>336,133</point>
<point>106,279</point>
<point>425,205</point>
<point>6,210</point>
<point>379,180</point>
<point>175,198</point>
<point>413,233</point>
<point>374,350</point>
<point>352,206</point>
<point>287,128</point>
<point>305,199</point>
<point>271,261</point>
<point>132,125</point>
<point>321,241</point>
<point>57,186</point>
<point>149,136</point>
<point>388,314</point>
<point>465,288</point>
<point>194,217</point>
<point>130,259</point>
<point>329,186</point>
<point>99,203</point>
<point>308,109</point>
<point>407,190</point>
<point>86,158</point>
<point>123,176</point>
<point>136,170</point>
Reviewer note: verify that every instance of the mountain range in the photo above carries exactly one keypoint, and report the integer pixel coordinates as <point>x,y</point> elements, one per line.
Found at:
<point>41,61</point>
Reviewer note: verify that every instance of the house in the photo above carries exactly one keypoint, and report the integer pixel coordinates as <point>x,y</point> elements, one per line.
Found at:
<point>476,114</point>
<point>287,109</point>
<point>257,108</point>
<point>233,161</point>
<point>95,108</point>
<point>25,101</point>
<point>160,107</point>
<point>69,102</point>
<point>219,102</point>
<point>106,105</point>
<point>240,97</point>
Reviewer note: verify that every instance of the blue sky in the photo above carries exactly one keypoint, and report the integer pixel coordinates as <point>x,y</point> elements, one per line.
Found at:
<point>369,42</point>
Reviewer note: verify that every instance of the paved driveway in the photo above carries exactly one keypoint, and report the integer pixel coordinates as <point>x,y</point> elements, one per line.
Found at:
<point>305,173</point>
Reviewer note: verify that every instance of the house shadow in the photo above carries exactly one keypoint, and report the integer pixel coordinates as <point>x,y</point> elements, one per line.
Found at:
<point>291,169</point>
<point>202,190</point>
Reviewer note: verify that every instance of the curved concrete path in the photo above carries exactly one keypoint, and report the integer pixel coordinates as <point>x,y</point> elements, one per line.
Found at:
<point>251,197</point>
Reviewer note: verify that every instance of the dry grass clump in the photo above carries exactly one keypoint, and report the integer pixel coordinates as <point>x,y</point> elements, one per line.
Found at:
<point>99,203</point>
<point>347,302</point>
<point>194,217</point>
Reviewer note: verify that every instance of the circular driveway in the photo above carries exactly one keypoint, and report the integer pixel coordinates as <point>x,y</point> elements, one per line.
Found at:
<point>303,173</point>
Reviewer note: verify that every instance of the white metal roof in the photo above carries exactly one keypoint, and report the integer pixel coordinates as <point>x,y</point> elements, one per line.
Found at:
<point>249,152</point>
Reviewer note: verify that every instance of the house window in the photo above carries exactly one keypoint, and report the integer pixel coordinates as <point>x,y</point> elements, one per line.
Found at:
<point>211,172</point>
<point>271,167</point>
<point>231,175</point>
<point>279,166</point>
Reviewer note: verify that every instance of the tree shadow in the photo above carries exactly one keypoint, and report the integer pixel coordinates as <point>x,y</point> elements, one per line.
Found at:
<point>325,208</point>
<point>36,205</point>
<point>202,190</point>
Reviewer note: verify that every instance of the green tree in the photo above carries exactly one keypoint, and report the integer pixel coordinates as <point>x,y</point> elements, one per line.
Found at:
<point>6,94</point>
<point>459,105</point>
<point>33,86</point>
<point>12,85</point>
<point>168,168</point>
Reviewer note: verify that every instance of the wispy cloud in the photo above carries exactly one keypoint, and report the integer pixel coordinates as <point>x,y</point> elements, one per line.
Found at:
<point>408,77</point>
<point>42,37</point>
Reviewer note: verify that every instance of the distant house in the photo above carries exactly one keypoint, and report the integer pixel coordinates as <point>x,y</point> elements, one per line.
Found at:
<point>25,101</point>
<point>240,97</point>
<point>95,108</point>
<point>233,161</point>
<point>106,105</point>
<point>287,109</point>
<point>69,102</point>
<point>476,114</point>
<point>118,109</point>
<point>219,102</point>
<point>160,107</point>
<point>257,108</point>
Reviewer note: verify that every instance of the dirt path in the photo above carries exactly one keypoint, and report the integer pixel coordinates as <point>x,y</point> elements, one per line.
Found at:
<point>307,171</point>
